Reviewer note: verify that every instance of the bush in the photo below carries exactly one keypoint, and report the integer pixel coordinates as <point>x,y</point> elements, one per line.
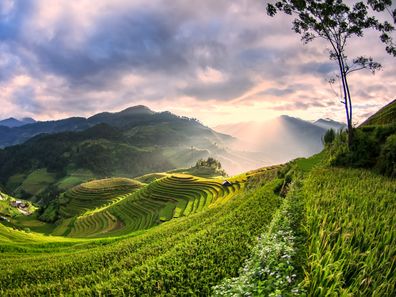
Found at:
<point>387,159</point>
<point>372,147</point>
<point>329,137</point>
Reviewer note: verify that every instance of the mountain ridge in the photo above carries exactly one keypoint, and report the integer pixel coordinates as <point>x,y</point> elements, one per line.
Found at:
<point>13,122</point>
<point>127,117</point>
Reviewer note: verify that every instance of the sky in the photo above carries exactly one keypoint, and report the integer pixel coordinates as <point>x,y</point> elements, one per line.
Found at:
<point>218,61</point>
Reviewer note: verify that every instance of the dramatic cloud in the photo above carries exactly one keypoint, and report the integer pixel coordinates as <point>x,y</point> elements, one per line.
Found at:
<point>214,60</point>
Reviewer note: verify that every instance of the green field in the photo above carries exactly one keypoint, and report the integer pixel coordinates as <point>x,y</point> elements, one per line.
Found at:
<point>299,229</point>
<point>36,181</point>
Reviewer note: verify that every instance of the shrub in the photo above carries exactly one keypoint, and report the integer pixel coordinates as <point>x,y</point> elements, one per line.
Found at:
<point>372,147</point>
<point>387,159</point>
<point>329,137</point>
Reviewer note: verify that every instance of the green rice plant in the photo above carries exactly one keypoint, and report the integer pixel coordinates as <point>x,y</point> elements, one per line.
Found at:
<point>350,221</point>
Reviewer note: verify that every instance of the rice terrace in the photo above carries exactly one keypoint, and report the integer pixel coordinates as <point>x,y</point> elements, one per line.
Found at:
<point>216,192</point>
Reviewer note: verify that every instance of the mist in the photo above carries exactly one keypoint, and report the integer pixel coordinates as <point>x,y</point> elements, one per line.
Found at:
<point>275,141</point>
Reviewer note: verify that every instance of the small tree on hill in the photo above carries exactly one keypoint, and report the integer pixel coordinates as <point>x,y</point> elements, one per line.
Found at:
<point>336,23</point>
<point>329,137</point>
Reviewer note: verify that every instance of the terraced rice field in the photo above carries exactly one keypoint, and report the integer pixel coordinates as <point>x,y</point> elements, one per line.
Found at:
<point>95,194</point>
<point>173,196</point>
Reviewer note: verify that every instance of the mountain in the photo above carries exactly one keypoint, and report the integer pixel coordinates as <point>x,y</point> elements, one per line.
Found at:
<point>16,135</point>
<point>12,122</point>
<point>329,124</point>
<point>129,143</point>
<point>128,117</point>
<point>278,140</point>
<point>386,115</point>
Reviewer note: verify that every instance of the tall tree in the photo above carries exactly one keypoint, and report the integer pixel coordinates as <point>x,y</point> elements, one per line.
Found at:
<point>336,22</point>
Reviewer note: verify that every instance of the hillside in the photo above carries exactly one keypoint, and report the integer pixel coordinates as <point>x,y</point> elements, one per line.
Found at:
<point>386,115</point>
<point>88,212</point>
<point>135,119</point>
<point>139,141</point>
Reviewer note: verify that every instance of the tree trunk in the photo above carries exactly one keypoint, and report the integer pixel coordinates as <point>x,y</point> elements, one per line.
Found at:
<point>348,94</point>
<point>347,99</point>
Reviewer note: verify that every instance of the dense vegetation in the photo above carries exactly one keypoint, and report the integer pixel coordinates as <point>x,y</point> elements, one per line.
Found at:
<point>373,147</point>
<point>262,243</point>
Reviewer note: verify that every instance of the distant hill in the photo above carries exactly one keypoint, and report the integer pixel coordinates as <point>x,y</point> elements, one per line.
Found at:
<point>130,143</point>
<point>12,122</point>
<point>329,124</point>
<point>132,116</point>
<point>278,140</point>
<point>386,115</point>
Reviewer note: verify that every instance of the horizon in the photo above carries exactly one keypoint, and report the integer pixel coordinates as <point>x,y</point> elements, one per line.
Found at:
<point>214,62</point>
<point>180,115</point>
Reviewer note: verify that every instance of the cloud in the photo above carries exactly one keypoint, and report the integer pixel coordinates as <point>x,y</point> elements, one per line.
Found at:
<point>75,58</point>
<point>25,99</point>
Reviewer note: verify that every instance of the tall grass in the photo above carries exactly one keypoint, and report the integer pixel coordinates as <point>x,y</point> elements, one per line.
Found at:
<point>350,220</point>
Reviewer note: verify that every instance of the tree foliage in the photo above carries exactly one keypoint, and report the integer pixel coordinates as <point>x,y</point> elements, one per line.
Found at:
<point>385,27</point>
<point>329,136</point>
<point>210,162</point>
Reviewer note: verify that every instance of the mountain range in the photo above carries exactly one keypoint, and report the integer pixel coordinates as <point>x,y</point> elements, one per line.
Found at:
<point>16,134</point>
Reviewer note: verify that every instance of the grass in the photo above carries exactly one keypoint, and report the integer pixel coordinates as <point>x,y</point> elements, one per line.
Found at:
<point>207,172</point>
<point>91,196</point>
<point>350,220</point>
<point>273,268</point>
<point>148,178</point>
<point>307,164</point>
<point>74,178</point>
<point>37,181</point>
<point>15,180</point>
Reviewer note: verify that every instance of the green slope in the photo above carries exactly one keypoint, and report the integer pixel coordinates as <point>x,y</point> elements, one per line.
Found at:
<point>159,261</point>
<point>386,115</point>
<point>118,207</point>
